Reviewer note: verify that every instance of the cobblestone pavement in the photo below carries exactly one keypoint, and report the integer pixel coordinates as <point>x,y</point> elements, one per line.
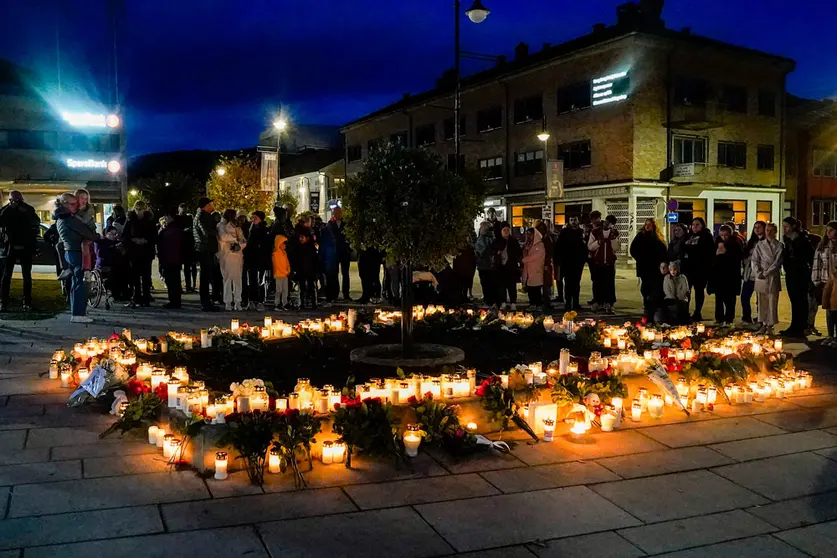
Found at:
<point>748,480</point>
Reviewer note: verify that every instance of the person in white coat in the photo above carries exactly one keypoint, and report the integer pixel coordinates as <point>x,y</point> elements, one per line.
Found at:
<point>231,243</point>
<point>534,256</point>
<point>766,264</point>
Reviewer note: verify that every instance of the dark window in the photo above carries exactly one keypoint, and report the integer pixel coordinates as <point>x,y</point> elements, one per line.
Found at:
<point>528,109</point>
<point>399,138</point>
<point>490,119</point>
<point>529,162</point>
<point>824,163</point>
<point>767,102</point>
<point>448,127</point>
<point>425,135</point>
<point>30,139</point>
<point>733,155</point>
<point>689,150</point>
<point>823,212</point>
<point>354,152</point>
<point>734,98</point>
<point>109,143</point>
<point>764,157</point>
<point>576,155</point>
<point>491,168</point>
<point>4,138</point>
<point>574,97</point>
<point>690,92</point>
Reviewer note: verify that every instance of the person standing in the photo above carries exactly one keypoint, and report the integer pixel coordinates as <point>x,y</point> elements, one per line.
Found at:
<point>304,263</point>
<point>797,261</point>
<point>725,280</point>
<point>677,245</point>
<point>648,249</point>
<point>184,221</point>
<point>205,234</point>
<point>464,266</point>
<point>170,253</point>
<point>603,245</point>
<point>19,228</point>
<point>281,272</point>
<point>765,268</point>
<point>749,278</point>
<point>534,256</point>
<point>257,260</point>
<point>549,248</point>
<point>337,227</point>
<point>139,238</point>
<point>485,263</point>
<point>117,218</point>
<point>369,268</point>
<point>507,259</point>
<point>570,256</point>
<point>700,252</point>
<point>231,244</point>
<point>823,275</point>
<point>72,232</point>
<point>329,262</point>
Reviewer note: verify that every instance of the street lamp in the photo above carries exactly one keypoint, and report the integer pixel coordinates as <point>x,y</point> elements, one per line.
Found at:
<point>280,124</point>
<point>220,171</point>
<point>543,136</point>
<point>477,14</point>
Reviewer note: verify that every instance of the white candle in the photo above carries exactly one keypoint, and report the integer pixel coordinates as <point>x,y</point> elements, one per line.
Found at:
<point>608,422</point>
<point>181,374</point>
<point>778,344</point>
<point>339,451</point>
<point>152,434</point>
<point>636,410</point>
<point>564,361</point>
<point>274,462</point>
<point>621,344</point>
<point>655,406</point>
<point>157,378</point>
<point>205,341</point>
<point>234,326</point>
<point>578,430</point>
<point>328,452</point>
<point>243,404</point>
<point>171,391</point>
<point>161,438</point>
<point>220,465</point>
<point>607,343</point>
<point>174,452</point>
<point>268,322</point>
<point>696,406</point>
<point>167,445</point>
<point>53,370</point>
<point>83,374</point>
<point>164,345</point>
<point>548,429</point>
<point>412,440</point>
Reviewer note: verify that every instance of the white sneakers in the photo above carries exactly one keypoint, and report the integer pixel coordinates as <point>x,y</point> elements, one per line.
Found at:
<point>81,320</point>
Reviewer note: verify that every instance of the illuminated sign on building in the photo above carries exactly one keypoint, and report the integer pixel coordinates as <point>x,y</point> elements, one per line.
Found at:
<point>610,88</point>
<point>90,120</point>
<point>112,166</point>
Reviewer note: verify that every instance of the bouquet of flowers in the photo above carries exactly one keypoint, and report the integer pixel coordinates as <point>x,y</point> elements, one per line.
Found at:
<point>573,388</point>
<point>251,435</point>
<point>247,388</point>
<point>367,425</point>
<point>501,405</point>
<point>295,430</point>
<point>437,419</point>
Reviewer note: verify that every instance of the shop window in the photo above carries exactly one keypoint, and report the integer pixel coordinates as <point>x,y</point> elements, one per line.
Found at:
<point>426,135</point>
<point>823,212</point>
<point>764,211</point>
<point>563,212</point>
<point>491,168</point>
<point>354,153</point>
<point>764,157</point>
<point>575,155</point>
<point>690,92</point>
<point>825,163</point>
<point>734,98</point>
<point>767,102</point>
<point>490,119</point>
<point>574,97</point>
<point>689,150</point>
<point>448,127</point>
<point>528,163</point>
<point>524,216</point>
<point>730,210</point>
<point>689,210</point>
<point>399,138</point>
<point>732,155</point>
<point>528,109</point>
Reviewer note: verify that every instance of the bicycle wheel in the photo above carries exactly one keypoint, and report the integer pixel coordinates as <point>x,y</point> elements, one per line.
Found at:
<point>95,288</point>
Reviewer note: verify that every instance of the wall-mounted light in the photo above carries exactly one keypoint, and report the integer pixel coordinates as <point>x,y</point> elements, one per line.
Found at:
<point>114,166</point>
<point>91,120</point>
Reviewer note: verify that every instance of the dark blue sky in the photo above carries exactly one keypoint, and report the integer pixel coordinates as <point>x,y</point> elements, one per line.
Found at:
<point>211,73</point>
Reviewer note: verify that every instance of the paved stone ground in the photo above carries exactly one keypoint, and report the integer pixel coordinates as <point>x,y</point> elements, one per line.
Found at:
<point>749,480</point>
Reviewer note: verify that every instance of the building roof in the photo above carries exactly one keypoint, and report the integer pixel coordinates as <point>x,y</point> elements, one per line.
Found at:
<point>633,24</point>
<point>293,164</point>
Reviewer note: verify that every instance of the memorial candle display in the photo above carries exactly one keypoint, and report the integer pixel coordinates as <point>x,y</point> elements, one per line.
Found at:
<point>220,465</point>
<point>412,440</point>
<point>274,461</point>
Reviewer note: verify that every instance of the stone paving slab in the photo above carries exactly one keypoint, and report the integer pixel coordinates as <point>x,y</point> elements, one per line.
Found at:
<point>799,512</point>
<point>216,543</point>
<point>764,545</point>
<point>75,527</point>
<point>548,476</point>
<point>802,419</point>
<point>787,476</point>
<point>389,532</point>
<point>754,409</point>
<point>21,411</point>
<point>10,554</point>
<point>39,399</point>
<point>603,444</point>
<point>711,431</point>
<point>16,387</point>
<point>14,457</point>
<point>236,484</point>
<point>125,465</point>
<point>662,462</point>
<point>488,461</point>
<point>816,540</point>
<point>597,545</point>
<point>93,423</point>
<point>830,453</point>
<point>82,451</point>
<point>507,552</point>
<point>696,531</point>
<point>109,492</point>
<point>4,499</point>
<point>12,440</point>
<point>677,496</point>
<point>66,436</point>
<point>244,510</point>
<point>824,400</point>
<point>757,448</point>
<point>39,472</point>
<point>519,518</point>
<point>419,491</point>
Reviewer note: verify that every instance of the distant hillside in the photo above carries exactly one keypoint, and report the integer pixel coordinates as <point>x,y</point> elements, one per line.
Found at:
<point>198,163</point>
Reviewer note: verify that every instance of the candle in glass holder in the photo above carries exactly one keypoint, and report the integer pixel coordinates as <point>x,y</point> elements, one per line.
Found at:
<point>578,430</point>
<point>141,345</point>
<point>608,420</point>
<point>328,452</point>
<point>164,345</point>
<point>160,442</point>
<point>220,465</point>
<point>689,354</point>
<point>809,380</point>
<point>643,398</point>
<point>83,374</point>
<point>171,390</point>
<point>152,434</point>
<point>655,406</point>
<point>700,328</point>
<point>607,343</point>
<point>339,449</point>
<point>234,326</point>
<point>181,374</point>
<point>293,400</point>
<point>412,440</point>
<point>548,429</point>
<point>636,410</point>
<point>274,461</point>
<point>175,453</point>
<point>572,368</point>
<point>206,341</point>
<point>778,345</point>
<point>157,378</point>
<point>711,395</point>
<point>268,322</point>
<point>621,344</point>
<point>167,445</point>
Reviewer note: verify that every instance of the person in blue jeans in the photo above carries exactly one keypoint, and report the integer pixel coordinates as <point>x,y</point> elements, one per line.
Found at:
<point>71,233</point>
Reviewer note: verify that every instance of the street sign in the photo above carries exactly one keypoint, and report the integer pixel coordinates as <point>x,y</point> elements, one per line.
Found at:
<point>684,169</point>
<point>672,205</point>
<point>672,217</point>
<point>555,179</point>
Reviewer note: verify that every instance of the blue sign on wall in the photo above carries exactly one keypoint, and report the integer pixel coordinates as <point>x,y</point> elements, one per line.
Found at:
<point>672,217</point>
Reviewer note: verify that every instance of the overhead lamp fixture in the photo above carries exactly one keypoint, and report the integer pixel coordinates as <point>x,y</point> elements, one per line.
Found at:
<point>477,13</point>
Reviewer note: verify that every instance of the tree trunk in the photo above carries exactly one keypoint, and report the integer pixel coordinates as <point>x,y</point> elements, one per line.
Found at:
<point>407,310</point>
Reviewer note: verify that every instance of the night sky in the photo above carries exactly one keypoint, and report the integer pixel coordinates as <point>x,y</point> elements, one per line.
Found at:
<point>212,73</point>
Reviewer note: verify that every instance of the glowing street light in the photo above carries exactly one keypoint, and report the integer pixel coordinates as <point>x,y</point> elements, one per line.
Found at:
<point>112,121</point>
<point>133,192</point>
<point>220,171</point>
<point>543,136</point>
<point>114,166</point>
<point>477,13</point>
<point>280,124</point>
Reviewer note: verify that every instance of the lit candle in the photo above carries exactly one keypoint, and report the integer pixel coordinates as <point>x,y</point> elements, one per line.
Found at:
<point>608,421</point>
<point>607,343</point>
<point>174,452</point>
<point>293,401</point>
<point>643,398</point>
<point>206,342</point>
<point>340,445</point>
<point>171,391</point>
<point>548,323</point>
<point>471,427</point>
<point>157,378</point>
<point>274,462</point>
<point>809,380</point>
<point>152,434</point>
<point>167,445</point>
<point>548,429</point>
<point>636,410</point>
<point>412,440</point>
<point>181,374</point>
<point>282,403</point>
<point>778,345</point>
<point>689,354</point>
<point>220,465</point>
<point>58,355</point>
<point>268,322</point>
<point>621,344</point>
<point>141,345</point>
<point>204,395</point>
<point>328,452</point>
<point>234,327</point>
<point>120,412</point>
<point>564,361</point>
<point>655,406</point>
<point>700,328</point>
<point>160,442</point>
<point>164,345</point>
<point>243,404</point>
<point>182,401</point>
<point>711,395</point>
<point>578,430</point>
<point>53,370</point>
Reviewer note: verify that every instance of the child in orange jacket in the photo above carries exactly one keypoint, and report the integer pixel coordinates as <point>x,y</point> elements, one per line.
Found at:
<point>281,271</point>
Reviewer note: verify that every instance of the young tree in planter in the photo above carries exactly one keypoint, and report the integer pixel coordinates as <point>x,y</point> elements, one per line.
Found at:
<point>239,186</point>
<point>408,204</point>
<point>165,191</point>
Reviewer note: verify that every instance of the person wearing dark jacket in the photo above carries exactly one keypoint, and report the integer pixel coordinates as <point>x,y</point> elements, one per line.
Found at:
<point>304,263</point>
<point>184,221</point>
<point>204,232</point>
<point>508,258</point>
<point>72,232</point>
<point>486,267</point>
<point>329,260</point>
<point>139,238</point>
<point>337,227</point>
<point>700,252</point>
<point>20,225</point>
<point>369,268</point>
<point>648,249</point>
<point>797,260</point>
<point>748,279</point>
<point>257,256</point>
<point>677,245</point>
<point>725,278</point>
<point>464,265</point>
<point>604,243</point>
<point>170,253</point>
<point>570,256</point>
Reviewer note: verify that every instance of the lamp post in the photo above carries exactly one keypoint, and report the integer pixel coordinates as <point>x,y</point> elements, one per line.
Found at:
<point>477,14</point>
<point>279,124</point>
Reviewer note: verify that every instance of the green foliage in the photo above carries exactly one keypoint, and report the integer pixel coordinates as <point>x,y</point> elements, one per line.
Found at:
<point>436,418</point>
<point>288,200</point>
<point>407,203</point>
<point>251,435</point>
<point>165,191</point>
<point>142,412</point>
<point>295,431</point>
<point>239,187</point>
<point>501,405</point>
<point>573,388</point>
<point>369,427</point>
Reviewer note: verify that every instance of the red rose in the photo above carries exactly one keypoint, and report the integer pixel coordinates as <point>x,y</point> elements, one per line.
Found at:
<point>644,320</point>
<point>686,344</point>
<point>429,395</point>
<point>480,391</point>
<point>412,400</point>
<point>162,391</point>
<point>138,387</point>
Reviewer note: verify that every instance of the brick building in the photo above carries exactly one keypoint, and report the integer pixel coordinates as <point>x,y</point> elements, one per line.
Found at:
<point>639,114</point>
